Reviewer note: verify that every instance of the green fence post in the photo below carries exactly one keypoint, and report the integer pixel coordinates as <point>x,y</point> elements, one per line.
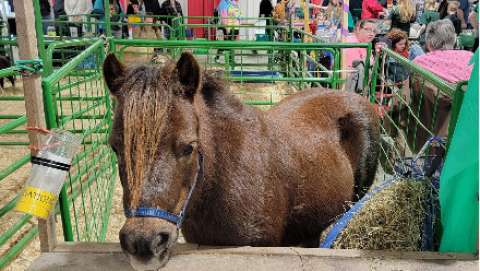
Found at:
<point>107,25</point>
<point>456,105</point>
<point>39,29</point>
<point>51,120</point>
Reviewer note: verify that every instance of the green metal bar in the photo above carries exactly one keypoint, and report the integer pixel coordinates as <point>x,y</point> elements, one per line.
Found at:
<point>456,106</point>
<point>14,143</point>
<point>13,229</point>
<point>235,44</point>
<point>76,192</point>
<point>373,86</point>
<point>258,102</point>
<point>10,117</point>
<point>367,66</point>
<point>39,29</point>
<point>9,206</point>
<point>12,98</point>
<point>96,76</point>
<point>14,166</point>
<point>12,41</point>
<point>77,114</point>
<point>73,63</point>
<point>13,124</point>
<point>82,171</point>
<point>48,63</point>
<point>9,72</point>
<point>108,208</point>
<point>18,247</point>
<point>108,23</point>
<point>275,79</point>
<point>443,86</point>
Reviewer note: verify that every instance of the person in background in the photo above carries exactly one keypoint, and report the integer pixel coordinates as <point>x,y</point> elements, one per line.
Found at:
<point>465,7</point>
<point>380,42</point>
<point>356,10</point>
<point>170,9</point>
<point>399,40</point>
<point>430,13</point>
<point>443,8</point>
<point>116,18</point>
<point>279,12</point>
<point>402,15</point>
<point>441,58</point>
<point>152,7</point>
<point>396,72</point>
<point>266,10</point>
<point>133,18</point>
<point>452,14</point>
<point>335,13</point>
<point>473,20</point>
<point>419,6</point>
<point>450,65</point>
<point>372,9</point>
<point>365,31</point>
<point>229,19</point>
<point>45,11</point>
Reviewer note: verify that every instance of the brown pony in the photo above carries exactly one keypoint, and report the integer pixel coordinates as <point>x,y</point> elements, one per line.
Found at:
<point>258,178</point>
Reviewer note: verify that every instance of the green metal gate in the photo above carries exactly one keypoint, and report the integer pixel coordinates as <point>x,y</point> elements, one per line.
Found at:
<point>76,100</point>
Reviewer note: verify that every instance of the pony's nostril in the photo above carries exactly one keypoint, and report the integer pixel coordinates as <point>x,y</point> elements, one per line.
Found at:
<point>160,242</point>
<point>126,243</point>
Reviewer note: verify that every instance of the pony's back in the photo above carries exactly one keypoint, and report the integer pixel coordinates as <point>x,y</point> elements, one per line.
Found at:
<point>342,117</point>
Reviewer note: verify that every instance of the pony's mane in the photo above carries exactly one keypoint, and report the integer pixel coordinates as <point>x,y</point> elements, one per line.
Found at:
<point>146,95</point>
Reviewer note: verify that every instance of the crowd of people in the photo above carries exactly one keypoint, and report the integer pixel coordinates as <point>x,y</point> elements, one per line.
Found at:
<point>419,30</point>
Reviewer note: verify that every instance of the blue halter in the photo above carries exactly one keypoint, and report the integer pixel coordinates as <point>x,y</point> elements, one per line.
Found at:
<point>165,215</point>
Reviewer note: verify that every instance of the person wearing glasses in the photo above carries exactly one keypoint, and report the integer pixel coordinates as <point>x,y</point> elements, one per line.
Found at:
<point>365,31</point>
<point>354,59</point>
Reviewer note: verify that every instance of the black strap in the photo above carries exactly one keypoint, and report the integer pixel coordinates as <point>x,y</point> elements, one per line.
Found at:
<point>49,163</point>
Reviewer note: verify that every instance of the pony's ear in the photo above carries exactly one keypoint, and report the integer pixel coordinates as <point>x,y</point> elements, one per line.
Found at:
<point>189,74</point>
<point>112,71</point>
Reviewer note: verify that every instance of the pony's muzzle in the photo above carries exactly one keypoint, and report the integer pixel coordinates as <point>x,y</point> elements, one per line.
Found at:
<point>147,241</point>
<point>144,246</point>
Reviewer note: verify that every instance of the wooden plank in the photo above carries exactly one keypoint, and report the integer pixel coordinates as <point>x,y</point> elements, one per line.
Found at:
<point>190,257</point>
<point>27,45</point>
<point>182,249</point>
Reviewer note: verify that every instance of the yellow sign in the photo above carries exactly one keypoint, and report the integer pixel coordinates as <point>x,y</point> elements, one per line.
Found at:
<point>36,202</point>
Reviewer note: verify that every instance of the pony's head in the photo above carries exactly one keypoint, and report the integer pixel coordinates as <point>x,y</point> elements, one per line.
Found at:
<point>155,138</point>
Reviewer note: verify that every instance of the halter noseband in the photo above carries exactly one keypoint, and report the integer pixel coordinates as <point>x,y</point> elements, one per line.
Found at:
<point>163,214</point>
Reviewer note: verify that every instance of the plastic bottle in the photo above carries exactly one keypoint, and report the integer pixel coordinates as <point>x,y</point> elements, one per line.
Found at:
<point>49,170</point>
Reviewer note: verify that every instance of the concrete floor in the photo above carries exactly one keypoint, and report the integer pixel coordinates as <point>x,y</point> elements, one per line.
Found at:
<point>93,257</point>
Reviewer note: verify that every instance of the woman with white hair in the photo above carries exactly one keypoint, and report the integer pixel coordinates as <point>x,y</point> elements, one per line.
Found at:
<point>442,59</point>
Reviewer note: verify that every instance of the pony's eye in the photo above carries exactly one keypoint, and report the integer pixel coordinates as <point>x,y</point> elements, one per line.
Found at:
<point>187,150</point>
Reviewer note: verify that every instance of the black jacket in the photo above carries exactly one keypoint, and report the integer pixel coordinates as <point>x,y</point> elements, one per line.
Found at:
<point>167,10</point>
<point>266,8</point>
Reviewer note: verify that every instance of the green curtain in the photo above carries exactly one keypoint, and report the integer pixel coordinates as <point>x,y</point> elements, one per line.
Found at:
<point>459,180</point>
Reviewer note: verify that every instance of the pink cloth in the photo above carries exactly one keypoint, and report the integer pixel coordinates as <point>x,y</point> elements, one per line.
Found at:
<point>371,9</point>
<point>352,54</point>
<point>450,65</point>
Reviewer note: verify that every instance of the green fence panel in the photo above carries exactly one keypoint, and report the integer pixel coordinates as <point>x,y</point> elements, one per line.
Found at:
<point>16,230</point>
<point>248,61</point>
<point>76,100</point>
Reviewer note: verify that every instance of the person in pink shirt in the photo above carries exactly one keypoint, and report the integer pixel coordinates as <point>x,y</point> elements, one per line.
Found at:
<point>364,33</point>
<point>449,64</point>
<point>372,9</point>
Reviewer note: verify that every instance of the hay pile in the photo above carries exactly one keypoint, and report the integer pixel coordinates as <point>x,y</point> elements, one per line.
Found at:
<point>391,220</point>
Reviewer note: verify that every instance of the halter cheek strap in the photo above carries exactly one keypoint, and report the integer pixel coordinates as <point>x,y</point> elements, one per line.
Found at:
<point>163,214</point>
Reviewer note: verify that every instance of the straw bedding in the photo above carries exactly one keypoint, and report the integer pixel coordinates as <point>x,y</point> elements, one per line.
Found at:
<point>391,220</point>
